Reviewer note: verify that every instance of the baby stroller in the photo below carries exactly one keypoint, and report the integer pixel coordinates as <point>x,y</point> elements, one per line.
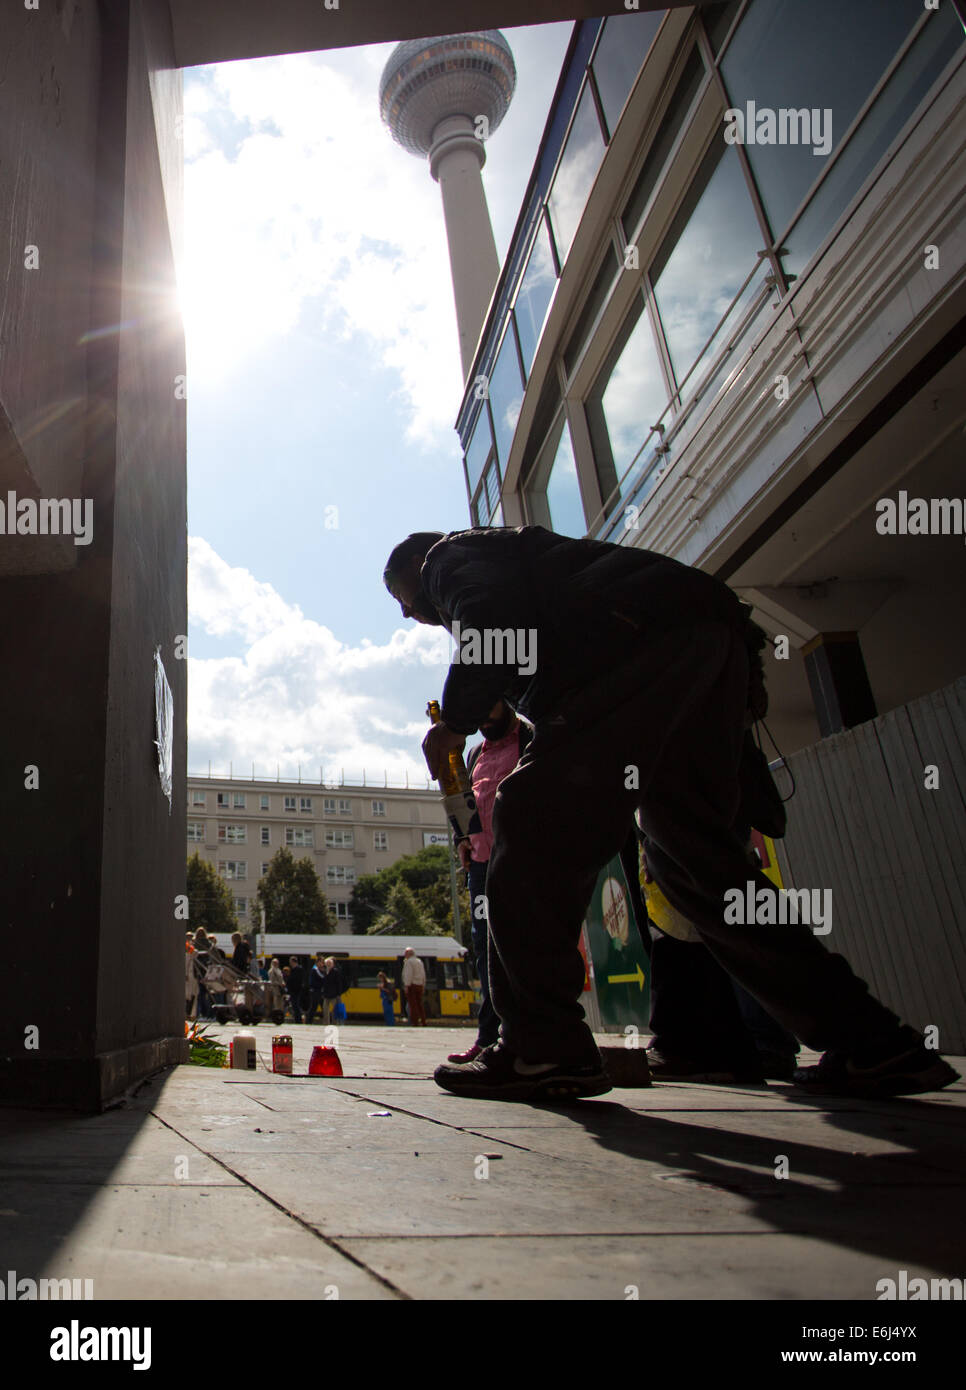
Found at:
<point>248,1000</point>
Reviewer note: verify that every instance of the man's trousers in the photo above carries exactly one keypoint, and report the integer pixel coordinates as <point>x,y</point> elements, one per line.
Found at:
<point>663,733</point>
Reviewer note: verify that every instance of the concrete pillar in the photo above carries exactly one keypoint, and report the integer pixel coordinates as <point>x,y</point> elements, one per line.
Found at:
<point>455,161</point>
<point>93,853</point>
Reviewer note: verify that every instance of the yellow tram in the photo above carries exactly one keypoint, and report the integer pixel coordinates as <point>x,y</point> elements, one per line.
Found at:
<point>360,958</point>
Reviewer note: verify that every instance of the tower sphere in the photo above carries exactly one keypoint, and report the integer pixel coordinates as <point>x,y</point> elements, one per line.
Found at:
<point>426,80</point>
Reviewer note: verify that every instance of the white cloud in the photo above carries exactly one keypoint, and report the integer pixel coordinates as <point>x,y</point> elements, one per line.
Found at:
<point>314,202</point>
<point>298,694</point>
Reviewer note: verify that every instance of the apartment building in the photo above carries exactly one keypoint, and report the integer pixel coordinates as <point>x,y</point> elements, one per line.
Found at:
<point>346,831</point>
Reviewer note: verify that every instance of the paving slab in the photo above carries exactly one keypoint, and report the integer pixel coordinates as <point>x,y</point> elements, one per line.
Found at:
<point>210,1183</point>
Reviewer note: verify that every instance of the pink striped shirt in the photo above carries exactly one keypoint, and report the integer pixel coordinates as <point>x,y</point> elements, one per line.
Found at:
<point>496,761</point>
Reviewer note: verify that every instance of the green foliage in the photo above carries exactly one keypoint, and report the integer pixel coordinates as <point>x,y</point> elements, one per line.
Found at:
<point>291,894</point>
<point>210,901</point>
<point>403,915</point>
<point>426,876</point>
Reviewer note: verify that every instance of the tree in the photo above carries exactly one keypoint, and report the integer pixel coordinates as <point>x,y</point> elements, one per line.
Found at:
<point>403,915</point>
<point>210,901</point>
<point>292,897</point>
<point>425,873</point>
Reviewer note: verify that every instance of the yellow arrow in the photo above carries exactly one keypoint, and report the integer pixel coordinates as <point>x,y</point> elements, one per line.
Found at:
<point>627,979</point>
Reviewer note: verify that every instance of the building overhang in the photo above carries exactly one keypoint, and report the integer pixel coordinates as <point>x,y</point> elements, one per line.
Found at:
<point>215,31</point>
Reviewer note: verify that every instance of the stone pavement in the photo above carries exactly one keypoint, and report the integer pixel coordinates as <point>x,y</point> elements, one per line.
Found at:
<point>221,1184</point>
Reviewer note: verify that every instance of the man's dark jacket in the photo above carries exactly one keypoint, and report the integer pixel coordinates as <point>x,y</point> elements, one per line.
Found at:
<point>592,605</point>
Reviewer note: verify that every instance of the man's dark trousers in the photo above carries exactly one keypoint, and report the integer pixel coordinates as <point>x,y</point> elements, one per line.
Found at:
<point>661,733</point>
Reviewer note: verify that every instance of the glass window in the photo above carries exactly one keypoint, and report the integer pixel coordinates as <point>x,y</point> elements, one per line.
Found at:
<point>289,803</point>
<point>196,831</point>
<point>378,808</point>
<point>575,175</point>
<point>478,454</point>
<point>380,839</point>
<point>687,89</point>
<point>707,254</point>
<point>825,58</point>
<point>718,19</point>
<point>593,304</point>
<point>628,397</point>
<point>563,491</point>
<point>198,799</point>
<point>894,105</point>
<point>266,835</point>
<point>534,295</point>
<point>619,58</point>
<point>263,803</point>
<point>239,801</point>
<point>305,803</point>
<point>506,395</point>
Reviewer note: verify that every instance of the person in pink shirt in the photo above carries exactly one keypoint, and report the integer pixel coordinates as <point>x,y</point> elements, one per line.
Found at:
<point>504,739</point>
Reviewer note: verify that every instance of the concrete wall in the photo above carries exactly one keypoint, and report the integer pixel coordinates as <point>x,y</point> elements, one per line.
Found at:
<point>93,858</point>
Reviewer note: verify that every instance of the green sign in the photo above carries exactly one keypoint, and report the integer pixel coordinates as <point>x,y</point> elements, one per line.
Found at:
<point>622,971</point>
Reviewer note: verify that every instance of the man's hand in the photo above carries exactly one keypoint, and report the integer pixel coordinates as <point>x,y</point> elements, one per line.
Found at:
<point>465,852</point>
<point>438,744</point>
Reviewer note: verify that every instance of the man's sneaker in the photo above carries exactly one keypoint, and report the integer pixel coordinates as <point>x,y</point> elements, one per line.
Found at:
<point>667,1068</point>
<point>470,1055</point>
<point>498,1074</point>
<point>896,1066</point>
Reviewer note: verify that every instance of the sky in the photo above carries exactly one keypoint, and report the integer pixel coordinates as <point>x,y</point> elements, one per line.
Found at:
<point>323,383</point>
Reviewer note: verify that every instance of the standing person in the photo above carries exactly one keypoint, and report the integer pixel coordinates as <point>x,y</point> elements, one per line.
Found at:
<point>637,674</point>
<point>242,954</point>
<point>504,739</point>
<point>387,993</point>
<point>316,980</point>
<point>414,982</point>
<point>190,978</point>
<point>333,985</point>
<point>276,980</point>
<point>296,984</point>
<point>201,956</point>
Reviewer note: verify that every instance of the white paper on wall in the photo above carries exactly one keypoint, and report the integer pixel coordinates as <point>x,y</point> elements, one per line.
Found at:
<point>164,725</point>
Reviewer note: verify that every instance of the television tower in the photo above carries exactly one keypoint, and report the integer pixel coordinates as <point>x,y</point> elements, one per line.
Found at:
<point>443,97</point>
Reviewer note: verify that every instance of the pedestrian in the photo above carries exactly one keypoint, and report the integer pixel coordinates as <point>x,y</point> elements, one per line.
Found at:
<point>296,984</point>
<point>190,978</point>
<point>414,983</point>
<point>316,980</point>
<point>201,962</point>
<point>333,985</point>
<point>637,674</point>
<point>277,987</point>
<point>241,954</point>
<point>504,739</point>
<point>387,994</point>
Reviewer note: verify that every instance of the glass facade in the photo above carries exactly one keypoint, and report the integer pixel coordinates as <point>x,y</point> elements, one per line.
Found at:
<point>709,252</point>
<point>777,61</point>
<point>620,54</point>
<point>629,396</point>
<point>578,169</point>
<point>894,105</point>
<point>534,295</point>
<point>506,395</point>
<point>801,76</point>
<point>478,453</point>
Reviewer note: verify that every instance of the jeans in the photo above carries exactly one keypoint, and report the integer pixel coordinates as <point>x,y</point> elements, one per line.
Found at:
<point>315,1002</point>
<point>388,1012</point>
<point>488,1025</point>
